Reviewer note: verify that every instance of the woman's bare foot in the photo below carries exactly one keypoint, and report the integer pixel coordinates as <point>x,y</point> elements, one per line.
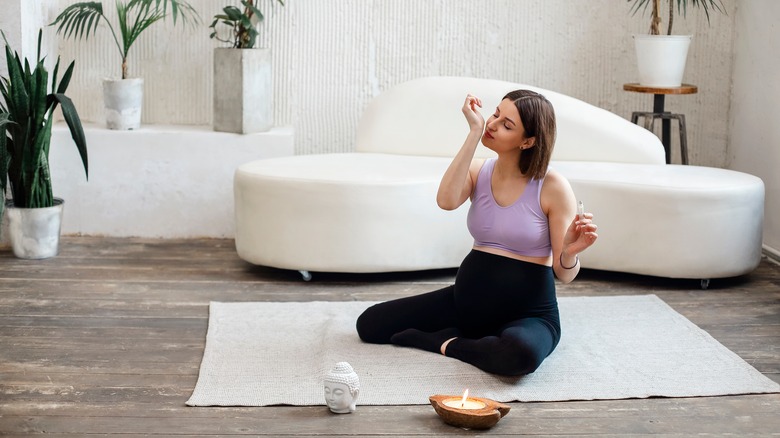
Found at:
<point>444,345</point>
<point>424,340</point>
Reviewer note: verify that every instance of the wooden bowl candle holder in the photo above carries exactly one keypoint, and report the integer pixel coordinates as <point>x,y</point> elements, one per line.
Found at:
<point>468,412</point>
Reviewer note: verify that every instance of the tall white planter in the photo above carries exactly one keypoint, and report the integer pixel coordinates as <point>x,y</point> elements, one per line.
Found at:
<point>661,59</point>
<point>243,90</point>
<point>123,100</point>
<point>35,232</point>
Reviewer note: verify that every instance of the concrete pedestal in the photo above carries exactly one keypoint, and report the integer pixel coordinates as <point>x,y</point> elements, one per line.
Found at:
<point>243,90</point>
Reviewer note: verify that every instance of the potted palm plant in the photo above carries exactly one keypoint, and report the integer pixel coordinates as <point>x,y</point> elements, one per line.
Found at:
<point>26,117</point>
<point>243,84</point>
<point>661,58</point>
<point>123,98</point>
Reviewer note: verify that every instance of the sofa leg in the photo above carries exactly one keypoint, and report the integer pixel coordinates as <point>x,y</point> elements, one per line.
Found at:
<point>705,283</point>
<point>306,275</point>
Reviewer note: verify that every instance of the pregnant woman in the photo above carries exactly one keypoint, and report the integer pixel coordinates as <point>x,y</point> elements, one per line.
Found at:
<point>501,314</point>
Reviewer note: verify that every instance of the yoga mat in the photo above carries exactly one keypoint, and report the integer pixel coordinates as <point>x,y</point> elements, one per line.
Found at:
<point>260,354</point>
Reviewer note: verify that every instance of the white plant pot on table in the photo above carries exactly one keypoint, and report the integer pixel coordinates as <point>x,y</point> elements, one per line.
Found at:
<point>661,59</point>
<point>123,100</point>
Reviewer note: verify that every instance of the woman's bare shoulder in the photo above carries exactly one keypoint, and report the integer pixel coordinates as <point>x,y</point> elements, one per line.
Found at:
<point>478,162</point>
<point>556,188</point>
<point>476,166</point>
<point>555,180</point>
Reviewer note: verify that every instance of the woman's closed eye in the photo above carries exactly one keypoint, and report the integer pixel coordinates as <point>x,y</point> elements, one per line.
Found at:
<point>506,125</point>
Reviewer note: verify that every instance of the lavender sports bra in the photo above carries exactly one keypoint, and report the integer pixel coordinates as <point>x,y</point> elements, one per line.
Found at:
<point>521,228</point>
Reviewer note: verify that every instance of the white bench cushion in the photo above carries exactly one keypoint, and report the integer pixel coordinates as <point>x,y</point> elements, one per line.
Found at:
<point>366,212</point>
<point>352,212</point>
<point>670,220</point>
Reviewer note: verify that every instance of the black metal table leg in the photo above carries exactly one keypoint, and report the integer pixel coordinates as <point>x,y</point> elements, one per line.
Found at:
<point>666,117</point>
<point>666,126</point>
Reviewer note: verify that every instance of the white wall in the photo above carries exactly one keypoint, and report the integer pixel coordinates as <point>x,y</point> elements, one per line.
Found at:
<point>11,25</point>
<point>332,56</point>
<point>754,145</point>
<point>37,15</point>
<point>20,21</point>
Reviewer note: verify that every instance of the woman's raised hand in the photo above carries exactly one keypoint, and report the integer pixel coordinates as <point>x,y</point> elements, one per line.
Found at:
<point>580,235</point>
<point>473,116</point>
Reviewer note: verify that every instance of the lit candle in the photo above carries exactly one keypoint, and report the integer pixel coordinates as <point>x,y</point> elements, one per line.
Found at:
<point>464,402</point>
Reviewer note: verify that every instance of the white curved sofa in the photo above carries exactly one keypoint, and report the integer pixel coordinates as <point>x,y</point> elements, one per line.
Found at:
<point>375,210</point>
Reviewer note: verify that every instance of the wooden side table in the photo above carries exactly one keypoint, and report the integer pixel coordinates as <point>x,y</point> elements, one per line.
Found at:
<point>659,93</point>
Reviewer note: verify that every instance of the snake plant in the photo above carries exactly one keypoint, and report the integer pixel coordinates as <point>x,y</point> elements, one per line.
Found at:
<point>80,20</point>
<point>243,24</point>
<point>682,8</point>
<point>26,117</point>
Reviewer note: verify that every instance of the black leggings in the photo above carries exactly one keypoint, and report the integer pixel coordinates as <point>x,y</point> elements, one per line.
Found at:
<point>503,312</point>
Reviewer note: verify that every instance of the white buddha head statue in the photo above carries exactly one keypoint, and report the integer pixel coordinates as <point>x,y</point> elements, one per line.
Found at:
<point>341,389</point>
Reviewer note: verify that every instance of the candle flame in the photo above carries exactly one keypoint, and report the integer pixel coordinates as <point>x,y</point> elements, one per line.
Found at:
<point>465,396</point>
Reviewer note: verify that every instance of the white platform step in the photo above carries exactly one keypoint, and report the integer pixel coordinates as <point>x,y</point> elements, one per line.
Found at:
<point>158,181</point>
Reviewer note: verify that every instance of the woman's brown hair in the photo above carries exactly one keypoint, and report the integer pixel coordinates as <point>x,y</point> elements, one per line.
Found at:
<point>538,119</point>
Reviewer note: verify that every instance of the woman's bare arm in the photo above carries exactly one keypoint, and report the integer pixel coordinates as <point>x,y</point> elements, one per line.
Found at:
<point>569,233</point>
<point>457,183</point>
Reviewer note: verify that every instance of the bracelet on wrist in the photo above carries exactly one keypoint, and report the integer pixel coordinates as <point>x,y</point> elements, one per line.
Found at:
<point>576,260</point>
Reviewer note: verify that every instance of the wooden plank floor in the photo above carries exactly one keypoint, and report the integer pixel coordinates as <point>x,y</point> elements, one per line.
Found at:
<point>107,338</point>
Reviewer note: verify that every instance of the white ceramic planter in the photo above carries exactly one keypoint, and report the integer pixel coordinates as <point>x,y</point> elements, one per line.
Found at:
<point>243,90</point>
<point>661,59</point>
<point>35,232</point>
<point>123,100</point>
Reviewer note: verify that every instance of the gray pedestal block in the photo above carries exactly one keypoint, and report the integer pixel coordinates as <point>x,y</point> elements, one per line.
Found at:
<point>243,90</point>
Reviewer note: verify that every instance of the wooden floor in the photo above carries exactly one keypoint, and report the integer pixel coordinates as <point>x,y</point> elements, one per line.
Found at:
<point>107,338</point>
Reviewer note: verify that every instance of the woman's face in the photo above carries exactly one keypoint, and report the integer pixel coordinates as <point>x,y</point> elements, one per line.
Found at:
<point>503,130</point>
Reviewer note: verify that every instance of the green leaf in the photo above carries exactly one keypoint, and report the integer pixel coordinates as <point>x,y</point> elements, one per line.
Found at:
<point>38,93</point>
<point>180,10</point>
<point>639,4</point>
<point>682,6</point>
<point>142,25</point>
<point>254,10</point>
<point>40,37</point>
<point>4,120</point>
<point>54,75</point>
<point>246,22</point>
<point>37,168</point>
<point>138,15</point>
<point>124,28</point>
<point>5,157</point>
<point>19,102</point>
<point>233,13</point>
<point>79,20</point>
<point>66,77</point>
<point>73,121</point>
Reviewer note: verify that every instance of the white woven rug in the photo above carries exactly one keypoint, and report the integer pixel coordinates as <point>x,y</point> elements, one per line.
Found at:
<point>260,354</point>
